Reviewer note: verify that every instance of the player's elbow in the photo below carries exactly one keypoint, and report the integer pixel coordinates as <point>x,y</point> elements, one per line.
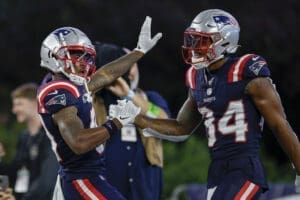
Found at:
<point>88,139</point>
<point>79,147</point>
<point>184,130</point>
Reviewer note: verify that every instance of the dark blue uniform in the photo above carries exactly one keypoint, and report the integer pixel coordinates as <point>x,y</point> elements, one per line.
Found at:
<point>127,166</point>
<point>81,175</point>
<point>233,125</point>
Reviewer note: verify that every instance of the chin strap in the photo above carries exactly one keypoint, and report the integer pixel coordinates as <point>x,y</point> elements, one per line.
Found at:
<point>206,64</point>
<point>78,80</point>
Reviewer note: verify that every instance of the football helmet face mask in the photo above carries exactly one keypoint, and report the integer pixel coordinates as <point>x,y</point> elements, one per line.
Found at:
<point>212,34</point>
<point>69,51</point>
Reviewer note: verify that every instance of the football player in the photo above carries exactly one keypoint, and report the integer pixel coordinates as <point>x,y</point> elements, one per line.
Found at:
<point>233,96</point>
<point>67,114</point>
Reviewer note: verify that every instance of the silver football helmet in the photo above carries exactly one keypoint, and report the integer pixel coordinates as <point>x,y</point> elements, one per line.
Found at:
<point>69,51</point>
<point>212,34</point>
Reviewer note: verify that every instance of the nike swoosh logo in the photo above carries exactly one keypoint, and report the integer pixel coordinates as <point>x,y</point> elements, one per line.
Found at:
<point>255,58</point>
<point>54,92</point>
<point>123,117</point>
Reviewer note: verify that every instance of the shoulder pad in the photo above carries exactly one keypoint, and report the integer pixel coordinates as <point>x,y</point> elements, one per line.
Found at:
<point>56,95</point>
<point>190,77</point>
<point>247,67</point>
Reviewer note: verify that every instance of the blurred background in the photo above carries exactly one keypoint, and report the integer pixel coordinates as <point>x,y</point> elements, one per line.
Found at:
<point>268,28</point>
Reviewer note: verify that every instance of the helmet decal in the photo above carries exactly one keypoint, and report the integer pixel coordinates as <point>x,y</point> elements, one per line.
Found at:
<point>62,31</point>
<point>222,20</point>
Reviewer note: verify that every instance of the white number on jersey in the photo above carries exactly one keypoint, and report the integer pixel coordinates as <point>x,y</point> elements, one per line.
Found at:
<point>232,122</point>
<point>93,124</point>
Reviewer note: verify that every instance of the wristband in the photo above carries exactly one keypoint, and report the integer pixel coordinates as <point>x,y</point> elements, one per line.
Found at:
<point>110,127</point>
<point>130,95</point>
<point>153,110</point>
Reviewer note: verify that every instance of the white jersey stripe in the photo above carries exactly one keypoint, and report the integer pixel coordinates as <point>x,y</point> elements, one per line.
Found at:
<point>210,192</point>
<point>237,67</point>
<point>51,138</point>
<point>248,191</point>
<point>54,85</point>
<point>85,189</point>
<point>190,77</point>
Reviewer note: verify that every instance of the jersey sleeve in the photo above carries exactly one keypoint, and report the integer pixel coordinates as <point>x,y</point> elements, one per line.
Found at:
<point>248,67</point>
<point>256,67</point>
<point>57,96</point>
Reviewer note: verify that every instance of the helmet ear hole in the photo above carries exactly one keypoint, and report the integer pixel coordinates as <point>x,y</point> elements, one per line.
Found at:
<point>50,54</point>
<point>225,44</point>
<point>232,49</point>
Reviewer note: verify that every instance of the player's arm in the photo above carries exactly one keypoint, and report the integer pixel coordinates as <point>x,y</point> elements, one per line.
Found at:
<point>187,119</point>
<point>80,140</point>
<point>111,71</point>
<point>268,102</point>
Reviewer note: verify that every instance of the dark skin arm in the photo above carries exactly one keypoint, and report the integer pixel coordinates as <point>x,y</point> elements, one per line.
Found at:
<point>187,119</point>
<point>80,140</point>
<point>268,102</point>
<point>111,71</point>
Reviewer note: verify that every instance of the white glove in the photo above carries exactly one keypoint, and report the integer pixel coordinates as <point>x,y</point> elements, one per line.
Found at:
<point>125,111</point>
<point>145,42</point>
<point>297,184</point>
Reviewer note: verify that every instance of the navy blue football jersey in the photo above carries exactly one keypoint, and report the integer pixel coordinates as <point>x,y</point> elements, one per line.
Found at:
<point>54,96</point>
<point>233,124</point>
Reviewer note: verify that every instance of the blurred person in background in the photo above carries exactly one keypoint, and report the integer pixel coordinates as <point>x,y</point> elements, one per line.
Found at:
<point>233,96</point>
<point>4,167</point>
<point>34,167</point>
<point>133,163</point>
<point>6,194</point>
<point>65,107</point>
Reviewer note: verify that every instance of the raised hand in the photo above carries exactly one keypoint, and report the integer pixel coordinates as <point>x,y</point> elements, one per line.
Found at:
<point>145,42</point>
<point>125,111</point>
<point>119,87</point>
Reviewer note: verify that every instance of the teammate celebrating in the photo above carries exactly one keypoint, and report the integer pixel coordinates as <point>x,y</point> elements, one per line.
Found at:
<point>67,114</point>
<point>232,95</point>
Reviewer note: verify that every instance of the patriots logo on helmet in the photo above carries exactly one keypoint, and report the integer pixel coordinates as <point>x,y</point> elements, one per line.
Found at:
<point>59,99</point>
<point>222,20</point>
<point>64,32</point>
